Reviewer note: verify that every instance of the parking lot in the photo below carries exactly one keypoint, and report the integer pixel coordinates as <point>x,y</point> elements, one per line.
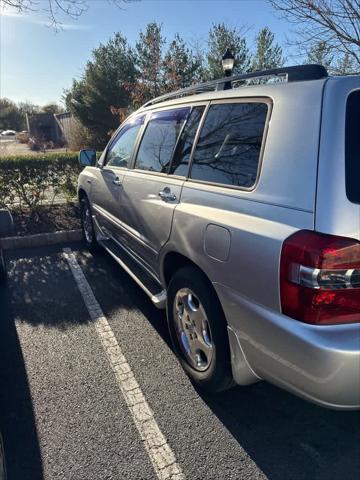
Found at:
<point>64,414</point>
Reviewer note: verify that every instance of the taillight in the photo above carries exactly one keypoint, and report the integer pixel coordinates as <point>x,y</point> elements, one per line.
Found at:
<point>320,278</point>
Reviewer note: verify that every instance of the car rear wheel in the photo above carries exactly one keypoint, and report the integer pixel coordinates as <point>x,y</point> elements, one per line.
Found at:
<point>87,225</point>
<point>198,330</point>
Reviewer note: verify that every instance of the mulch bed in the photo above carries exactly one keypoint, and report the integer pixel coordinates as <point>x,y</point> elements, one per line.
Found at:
<point>47,219</point>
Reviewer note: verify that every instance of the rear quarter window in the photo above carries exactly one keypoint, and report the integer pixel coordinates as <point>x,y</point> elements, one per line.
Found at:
<point>352,147</point>
<point>229,147</point>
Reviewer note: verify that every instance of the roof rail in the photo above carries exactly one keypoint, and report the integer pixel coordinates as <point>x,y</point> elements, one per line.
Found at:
<point>297,73</point>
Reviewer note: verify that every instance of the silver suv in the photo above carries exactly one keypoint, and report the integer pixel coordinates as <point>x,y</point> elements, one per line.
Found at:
<point>235,204</point>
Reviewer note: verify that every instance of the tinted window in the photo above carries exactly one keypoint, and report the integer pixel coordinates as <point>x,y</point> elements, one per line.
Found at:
<point>120,151</point>
<point>159,140</point>
<point>352,147</point>
<point>229,147</point>
<point>180,162</point>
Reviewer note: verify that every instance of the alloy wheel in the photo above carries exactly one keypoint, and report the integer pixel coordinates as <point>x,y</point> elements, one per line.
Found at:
<point>193,329</point>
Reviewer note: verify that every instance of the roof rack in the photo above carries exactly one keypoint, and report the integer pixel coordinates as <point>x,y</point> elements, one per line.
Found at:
<point>297,73</point>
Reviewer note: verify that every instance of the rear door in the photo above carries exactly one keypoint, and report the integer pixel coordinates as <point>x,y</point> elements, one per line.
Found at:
<point>152,190</point>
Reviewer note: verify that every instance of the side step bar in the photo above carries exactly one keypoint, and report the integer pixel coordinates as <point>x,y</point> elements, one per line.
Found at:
<point>147,282</point>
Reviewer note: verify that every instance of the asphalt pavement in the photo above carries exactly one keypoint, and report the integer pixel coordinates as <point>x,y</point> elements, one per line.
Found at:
<point>63,415</point>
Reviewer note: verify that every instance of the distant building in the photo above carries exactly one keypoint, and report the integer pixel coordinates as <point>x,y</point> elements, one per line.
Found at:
<point>50,127</point>
<point>66,123</point>
<point>44,126</point>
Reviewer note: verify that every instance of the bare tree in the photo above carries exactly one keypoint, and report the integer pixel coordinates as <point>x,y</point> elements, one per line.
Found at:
<point>55,8</point>
<point>334,22</point>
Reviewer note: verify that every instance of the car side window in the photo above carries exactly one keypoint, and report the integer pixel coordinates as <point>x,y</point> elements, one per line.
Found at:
<point>180,161</point>
<point>120,151</point>
<point>159,140</point>
<point>228,150</point>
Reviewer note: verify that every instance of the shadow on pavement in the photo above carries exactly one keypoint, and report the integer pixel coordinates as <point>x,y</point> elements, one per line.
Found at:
<point>117,290</point>
<point>44,291</point>
<point>287,437</point>
<point>17,420</point>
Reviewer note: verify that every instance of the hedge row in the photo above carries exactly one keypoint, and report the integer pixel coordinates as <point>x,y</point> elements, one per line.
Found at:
<point>29,181</point>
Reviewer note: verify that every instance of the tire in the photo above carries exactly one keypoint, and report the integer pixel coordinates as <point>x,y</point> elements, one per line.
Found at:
<point>87,226</point>
<point>3,269</point>
<point>198,330</point>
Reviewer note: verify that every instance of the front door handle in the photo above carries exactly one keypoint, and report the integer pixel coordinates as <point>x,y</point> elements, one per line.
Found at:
<point>167,195</point>
<point>117,181</point>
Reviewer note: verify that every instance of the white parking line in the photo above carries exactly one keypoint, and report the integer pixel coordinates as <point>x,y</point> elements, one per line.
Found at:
<point>162,457</point>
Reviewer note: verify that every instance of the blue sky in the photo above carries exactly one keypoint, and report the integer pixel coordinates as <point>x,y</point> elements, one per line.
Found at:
<point>36,63</point>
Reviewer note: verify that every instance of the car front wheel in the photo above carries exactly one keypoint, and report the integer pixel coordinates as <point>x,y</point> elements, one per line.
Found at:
<point>198,330</point>
<point>87,225</point>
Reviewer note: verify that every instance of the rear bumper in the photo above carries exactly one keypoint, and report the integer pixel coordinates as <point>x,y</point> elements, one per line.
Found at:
<point>319,363</point>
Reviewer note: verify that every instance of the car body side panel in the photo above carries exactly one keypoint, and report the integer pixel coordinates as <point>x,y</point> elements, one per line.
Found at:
<point>257,232</point>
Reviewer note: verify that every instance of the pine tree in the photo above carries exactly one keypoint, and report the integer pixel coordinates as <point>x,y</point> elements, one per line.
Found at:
<point>149,62</point>
<point>321,54</point>
<point>268,54</point>
<point>180,65</point>
<point>103,86</point>
<point>222,37</point>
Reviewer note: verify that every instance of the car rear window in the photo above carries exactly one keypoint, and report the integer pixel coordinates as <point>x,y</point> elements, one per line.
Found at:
<point>352,147</point>
<point>229,147</point>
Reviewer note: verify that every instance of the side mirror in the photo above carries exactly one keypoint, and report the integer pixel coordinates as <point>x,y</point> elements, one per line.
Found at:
<point>87,158</point>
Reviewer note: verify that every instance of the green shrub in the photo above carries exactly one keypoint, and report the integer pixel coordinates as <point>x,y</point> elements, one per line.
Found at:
<point>29,181</point>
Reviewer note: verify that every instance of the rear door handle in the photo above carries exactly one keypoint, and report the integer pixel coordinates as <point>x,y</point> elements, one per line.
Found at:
<point>167,195</point>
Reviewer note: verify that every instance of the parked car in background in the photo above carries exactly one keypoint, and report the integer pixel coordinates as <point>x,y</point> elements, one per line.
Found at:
<point>235,204</point>
<point>8,133</point>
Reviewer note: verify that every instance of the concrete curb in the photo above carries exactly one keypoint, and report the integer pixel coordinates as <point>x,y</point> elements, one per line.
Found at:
<point>41,239</point>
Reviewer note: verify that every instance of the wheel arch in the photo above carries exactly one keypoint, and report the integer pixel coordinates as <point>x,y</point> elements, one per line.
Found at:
<point>172,262</point>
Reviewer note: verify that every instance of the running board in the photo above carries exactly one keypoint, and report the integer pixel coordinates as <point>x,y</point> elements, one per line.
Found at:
<point>147,282</point>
